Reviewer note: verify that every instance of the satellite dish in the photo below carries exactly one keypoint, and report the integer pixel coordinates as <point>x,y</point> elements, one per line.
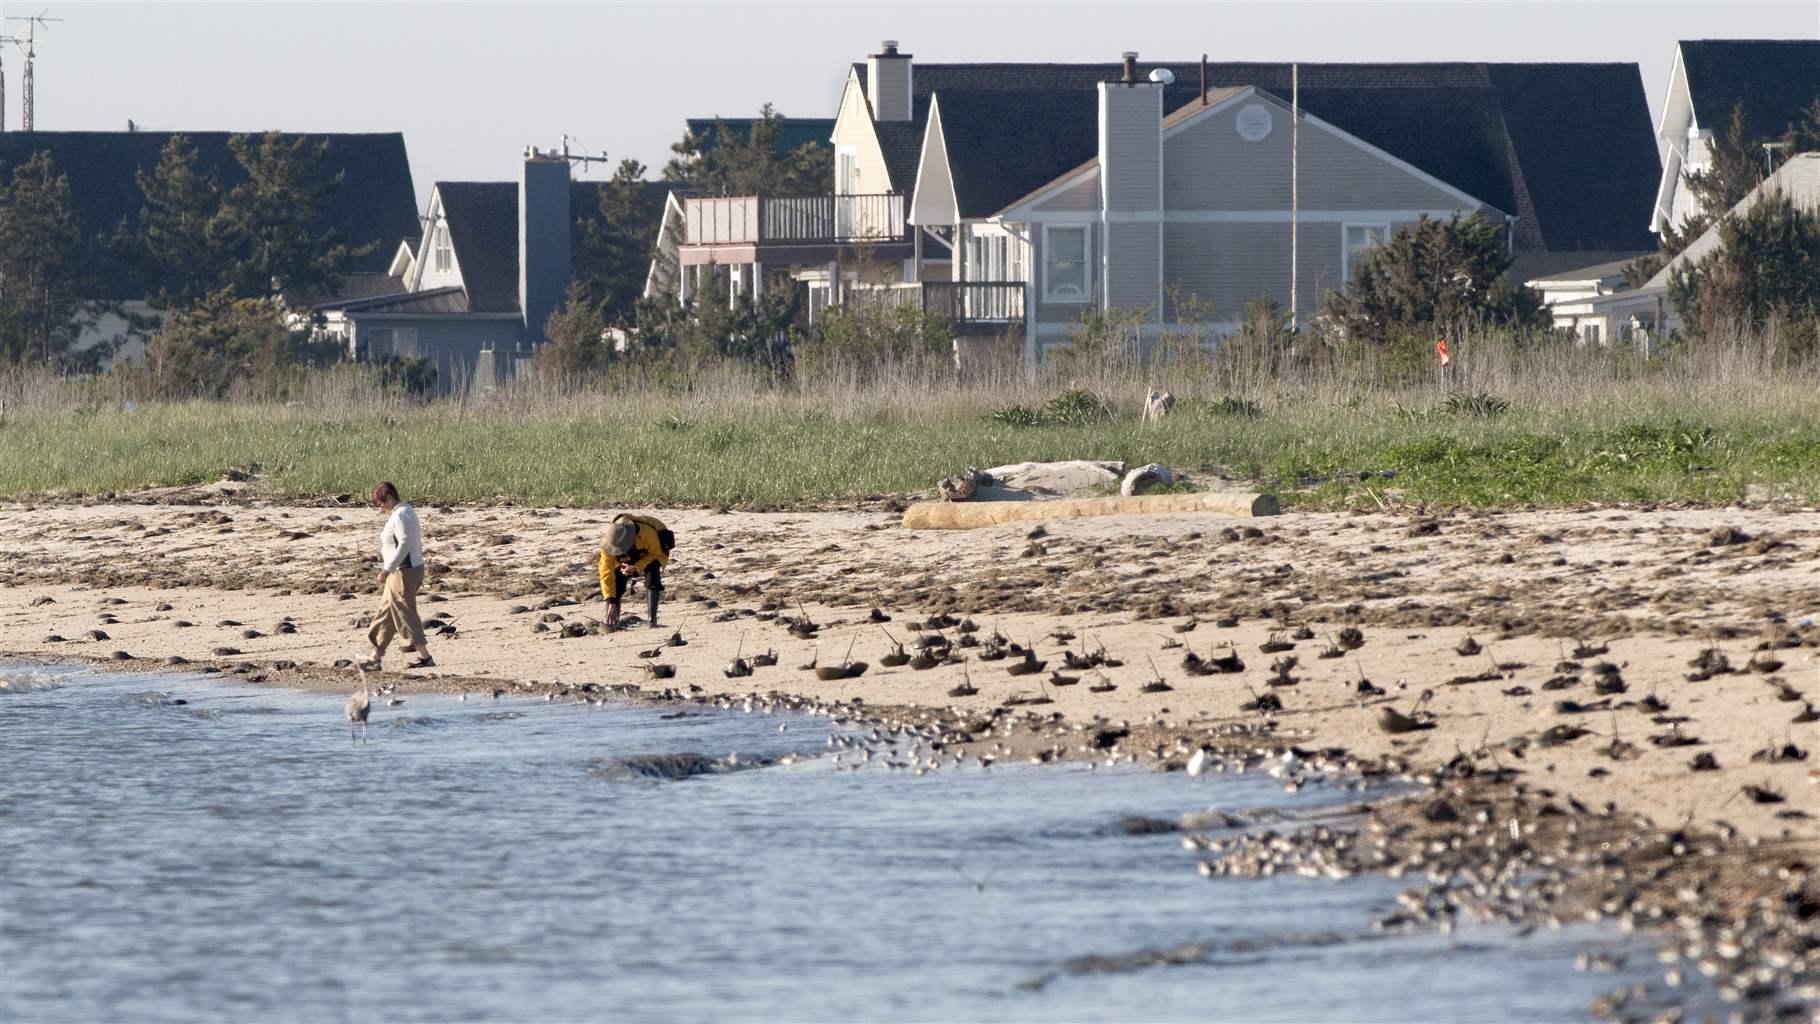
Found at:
<point>1163,76</point>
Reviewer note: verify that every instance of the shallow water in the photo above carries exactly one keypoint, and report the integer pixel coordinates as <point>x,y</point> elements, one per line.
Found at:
<point>236,857</point>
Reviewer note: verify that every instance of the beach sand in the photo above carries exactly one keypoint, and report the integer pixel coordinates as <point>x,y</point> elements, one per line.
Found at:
<point>1662,587</point>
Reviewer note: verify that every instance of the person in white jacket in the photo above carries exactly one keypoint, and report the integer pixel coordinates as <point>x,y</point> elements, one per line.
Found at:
<point>400,577</point>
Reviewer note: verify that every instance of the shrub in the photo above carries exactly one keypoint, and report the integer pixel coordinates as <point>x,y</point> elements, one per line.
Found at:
<point>1016,416</point>
<point>1479,404</point>
<point>1076,407</point>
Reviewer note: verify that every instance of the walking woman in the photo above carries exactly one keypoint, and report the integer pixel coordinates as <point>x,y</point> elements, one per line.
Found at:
<point>400,577</point>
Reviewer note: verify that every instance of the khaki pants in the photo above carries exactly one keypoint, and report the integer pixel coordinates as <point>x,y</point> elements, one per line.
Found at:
<point>398,612</point>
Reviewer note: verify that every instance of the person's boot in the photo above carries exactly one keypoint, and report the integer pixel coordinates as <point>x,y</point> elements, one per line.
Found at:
<point>651,607</point>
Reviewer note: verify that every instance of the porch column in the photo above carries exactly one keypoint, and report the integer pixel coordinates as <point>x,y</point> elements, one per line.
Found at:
<point>758,280</point>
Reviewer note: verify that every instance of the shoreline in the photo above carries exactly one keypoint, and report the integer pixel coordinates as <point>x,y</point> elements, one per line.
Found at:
<point>1688,608</point>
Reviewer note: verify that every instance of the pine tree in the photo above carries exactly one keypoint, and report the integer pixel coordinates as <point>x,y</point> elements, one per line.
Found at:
<point>1436,273</point>
<point>754,163</point>
<point>269,222</point>
<point>42,307</point>
<point>1766,268</point>
<point>177,248</point>
<point>616,251</point>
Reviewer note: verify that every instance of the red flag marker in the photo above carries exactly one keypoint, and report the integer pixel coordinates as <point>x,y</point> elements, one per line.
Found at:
<point>1441,350</point>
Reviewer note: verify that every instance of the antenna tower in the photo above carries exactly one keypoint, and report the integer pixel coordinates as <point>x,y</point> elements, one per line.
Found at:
<point>32,24</point>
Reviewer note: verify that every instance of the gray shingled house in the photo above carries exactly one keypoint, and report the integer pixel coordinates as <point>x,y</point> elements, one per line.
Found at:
<point>494,262</point>
<point>375,204</point>
<point>1020,195</point>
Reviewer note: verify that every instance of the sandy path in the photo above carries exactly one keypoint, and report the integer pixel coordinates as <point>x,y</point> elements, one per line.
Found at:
<point>1659,586</point>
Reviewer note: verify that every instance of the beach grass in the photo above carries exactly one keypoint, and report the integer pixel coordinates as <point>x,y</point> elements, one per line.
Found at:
<point>1565,429</point>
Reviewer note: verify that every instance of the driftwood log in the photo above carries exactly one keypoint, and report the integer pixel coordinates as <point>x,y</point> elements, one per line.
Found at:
<point>946,515</point>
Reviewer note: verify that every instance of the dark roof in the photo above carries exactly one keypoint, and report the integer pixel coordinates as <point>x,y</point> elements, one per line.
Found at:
<point>795,133</point>
<point>1776,80</point>
<point>483,231</point>
<point>374,204</point>
<point>1511,135</point>
<point>1052,132</point>
<point>901,142</point>
<point>433,300</point>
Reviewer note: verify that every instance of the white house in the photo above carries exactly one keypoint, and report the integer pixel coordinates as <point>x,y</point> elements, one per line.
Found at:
<point>1773,81</point>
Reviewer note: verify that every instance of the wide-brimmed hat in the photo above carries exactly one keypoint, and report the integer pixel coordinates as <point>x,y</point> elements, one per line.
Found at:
<point>618,540</point>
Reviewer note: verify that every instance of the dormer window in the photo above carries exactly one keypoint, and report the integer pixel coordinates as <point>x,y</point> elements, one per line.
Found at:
<point>445,256</point>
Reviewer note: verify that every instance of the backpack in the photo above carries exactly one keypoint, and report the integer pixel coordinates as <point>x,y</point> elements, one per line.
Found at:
<point>666,538</point>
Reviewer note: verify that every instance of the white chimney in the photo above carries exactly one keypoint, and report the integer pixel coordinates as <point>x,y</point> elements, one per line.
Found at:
<point>1131,191</point>
<point>888,83</point>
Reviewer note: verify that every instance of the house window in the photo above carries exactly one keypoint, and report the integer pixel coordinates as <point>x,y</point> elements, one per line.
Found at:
<point>1066,276</point>
<point>1360,238</point>
<point>379,343</point>
<point>1591,332</point>
<point>445,256</point>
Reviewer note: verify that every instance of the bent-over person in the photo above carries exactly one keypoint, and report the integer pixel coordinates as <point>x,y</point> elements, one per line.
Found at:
<point>400,577</point>
<point>634,547</point>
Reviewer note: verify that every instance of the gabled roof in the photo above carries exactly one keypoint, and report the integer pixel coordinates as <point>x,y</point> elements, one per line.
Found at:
<point>1521,137</point>
<point>1051,132</point>
<point>1776,80</point>
<point>794,133</point>
<point>1798,178</point>
<point>375,203</point>
<point>483,231</point>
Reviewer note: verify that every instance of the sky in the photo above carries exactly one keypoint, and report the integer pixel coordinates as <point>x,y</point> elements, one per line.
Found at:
<point>472,84</point>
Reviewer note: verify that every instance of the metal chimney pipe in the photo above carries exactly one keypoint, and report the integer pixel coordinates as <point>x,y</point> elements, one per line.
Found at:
<point>888,48</point>
<point>1130,67</point>
<point>1203,79</point>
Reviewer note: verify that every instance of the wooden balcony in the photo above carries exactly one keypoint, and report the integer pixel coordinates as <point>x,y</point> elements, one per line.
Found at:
<point>793,229</point>
<point>971,306</point>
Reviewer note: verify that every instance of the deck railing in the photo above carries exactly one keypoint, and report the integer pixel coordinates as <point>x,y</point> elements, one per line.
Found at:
<point>961,302</point>
<point>820,219</point>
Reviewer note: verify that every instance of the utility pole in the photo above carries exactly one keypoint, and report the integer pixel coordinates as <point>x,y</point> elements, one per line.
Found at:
<point>32,24</point>
<point>3,41</point>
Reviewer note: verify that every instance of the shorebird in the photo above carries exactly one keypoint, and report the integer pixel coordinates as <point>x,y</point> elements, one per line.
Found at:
<point>358,707</point>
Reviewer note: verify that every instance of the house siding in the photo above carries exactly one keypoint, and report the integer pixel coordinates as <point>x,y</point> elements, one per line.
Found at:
<point>1134,257</point>
<point>933,202</point>
<point>1131,117</point>
<point>853,127</point>
<point>1077,198</point>
<point>1212,167</point>
<point>1229,264</point>
<point>452,344</point>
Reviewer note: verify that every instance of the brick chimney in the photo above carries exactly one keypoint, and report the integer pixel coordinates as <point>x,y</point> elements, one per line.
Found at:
<point>888,83</point>
<point>543,239</point>
<point>1131,190</point>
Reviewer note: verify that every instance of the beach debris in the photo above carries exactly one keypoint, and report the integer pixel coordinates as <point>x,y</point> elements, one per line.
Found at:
<point>1276,643</point>
<point>1029,666</point>
<point>1392,721</point>
<point>1704,762</point>
<point>1146,478</point>
<point>1468,648</point>
<point>1352,638</point>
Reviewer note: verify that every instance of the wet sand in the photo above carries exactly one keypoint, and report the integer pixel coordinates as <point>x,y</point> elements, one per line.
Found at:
<point>1700,613</point>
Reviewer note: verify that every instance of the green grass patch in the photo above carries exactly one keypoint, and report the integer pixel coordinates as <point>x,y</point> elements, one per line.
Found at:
<point>774,451</point>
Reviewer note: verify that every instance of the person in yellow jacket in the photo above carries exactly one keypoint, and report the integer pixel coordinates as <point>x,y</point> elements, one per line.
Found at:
<point>634,546</point>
